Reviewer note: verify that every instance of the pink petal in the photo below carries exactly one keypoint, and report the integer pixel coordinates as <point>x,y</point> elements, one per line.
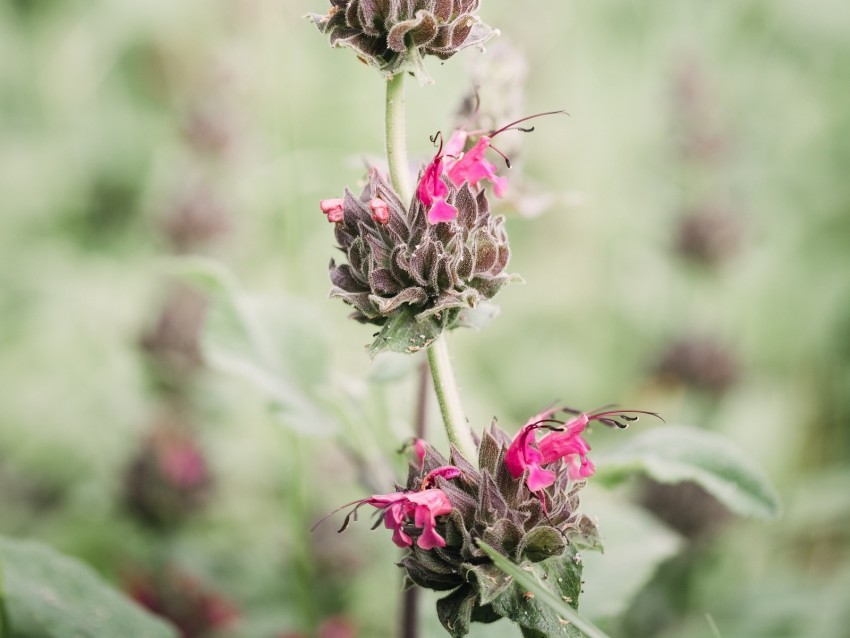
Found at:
<point>538,478</point>
<point>441,212</point>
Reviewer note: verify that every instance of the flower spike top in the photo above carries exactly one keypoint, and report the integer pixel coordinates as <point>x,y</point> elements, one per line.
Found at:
<point>563,443</point>
<point>401,509</point>
<point>394,35</point>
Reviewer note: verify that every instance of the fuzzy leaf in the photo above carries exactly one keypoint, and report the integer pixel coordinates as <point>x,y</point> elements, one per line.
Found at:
<point>272,343</point>
<point>52,596</point>
<point>635,546</point>
<point>673,454</point>
<point>402,333</point>
<point>550,583</point>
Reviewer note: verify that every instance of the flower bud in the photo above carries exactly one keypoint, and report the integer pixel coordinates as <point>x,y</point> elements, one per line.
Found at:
<point>394,35</point>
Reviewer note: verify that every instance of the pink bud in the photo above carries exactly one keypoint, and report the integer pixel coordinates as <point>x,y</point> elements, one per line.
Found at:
<point>380,211</point>
<point>333,208</point>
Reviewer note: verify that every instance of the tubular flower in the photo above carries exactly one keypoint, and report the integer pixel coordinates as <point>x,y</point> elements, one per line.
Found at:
<point>380,211</point>
<point>408,272</point>
<point>332,208</point>
<point>409,511</point>
<point>522,455</point>
<point>453,165</point>
<point>563,443</point>
<point>432,192</point>
<point>394,35</point>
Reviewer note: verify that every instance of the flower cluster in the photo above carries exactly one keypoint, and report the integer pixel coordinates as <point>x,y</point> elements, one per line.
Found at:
<point>394,35</point>
<point>401,267</point>
<point>521,499</point>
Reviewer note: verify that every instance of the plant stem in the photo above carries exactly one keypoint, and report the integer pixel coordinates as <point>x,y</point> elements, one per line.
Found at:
<point>5,627</point>
<point>396,144</point>
<point>410,602</point>
<point>447,394</point>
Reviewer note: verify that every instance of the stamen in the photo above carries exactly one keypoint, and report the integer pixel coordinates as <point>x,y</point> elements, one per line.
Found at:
<point>511,126</point>
<point>504,157</point>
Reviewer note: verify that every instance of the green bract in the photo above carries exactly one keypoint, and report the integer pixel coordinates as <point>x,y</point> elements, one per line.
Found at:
<point>394,35</point>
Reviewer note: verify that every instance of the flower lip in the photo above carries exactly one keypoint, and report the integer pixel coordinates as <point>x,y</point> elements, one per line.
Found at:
<point>397,509</point>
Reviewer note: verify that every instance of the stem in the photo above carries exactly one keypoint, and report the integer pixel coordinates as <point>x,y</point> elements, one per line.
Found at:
<point>396,145</point>
<point>410,602</point>
<point>5,626</point>
<point>457,428</point>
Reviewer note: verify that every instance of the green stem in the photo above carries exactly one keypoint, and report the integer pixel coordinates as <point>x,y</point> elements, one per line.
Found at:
<point>438,355</point>
<point>460,435</point>
<point>396,145</point>
<point>5,627</point>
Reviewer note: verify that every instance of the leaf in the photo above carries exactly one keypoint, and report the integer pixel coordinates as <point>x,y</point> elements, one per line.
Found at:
<point>672,454</point>
<point>546,612</point>
<point>273,343</point>
<point>402,333</point>
<point>635,546</point>
<point>52,596</point>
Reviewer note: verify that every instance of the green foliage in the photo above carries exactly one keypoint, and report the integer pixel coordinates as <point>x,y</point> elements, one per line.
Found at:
<point>538,600</point>
<point>636,544</point>
<point>52,596</point>
<point>275,344</point>
<point>672,454</point>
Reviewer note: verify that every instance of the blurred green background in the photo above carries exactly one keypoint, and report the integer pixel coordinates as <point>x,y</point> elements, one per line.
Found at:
<point>692,257</point>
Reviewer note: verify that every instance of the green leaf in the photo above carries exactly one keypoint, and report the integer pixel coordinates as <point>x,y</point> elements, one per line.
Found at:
<point>635,546</point>
<point>672,454</point>
<point>546,612</point>
<point>52,596</point>
<point>273,343</point>
<point>402,333</point>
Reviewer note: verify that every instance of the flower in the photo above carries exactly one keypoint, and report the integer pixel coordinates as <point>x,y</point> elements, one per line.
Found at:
<point>418,508</point>
<point>523,455</point>
<point>472,167</point>
<point>563,443</point>
<point>460,168</point>
<point>432,192</point>
<point>333,208</point>
<point>394,35</point>
<point>380,211</point>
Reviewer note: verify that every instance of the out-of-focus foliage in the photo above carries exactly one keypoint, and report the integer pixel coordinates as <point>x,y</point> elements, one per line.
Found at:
<point>694,262</point>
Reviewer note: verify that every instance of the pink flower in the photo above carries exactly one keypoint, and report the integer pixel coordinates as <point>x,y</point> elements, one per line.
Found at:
<point>333,208</point>
<point>522,455</point>
<point>570,446</point>
<point>380,211</point>
<point>432,192</point>
<point>563,442</point>
<point>417,508</point>
<point>472,167</point>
